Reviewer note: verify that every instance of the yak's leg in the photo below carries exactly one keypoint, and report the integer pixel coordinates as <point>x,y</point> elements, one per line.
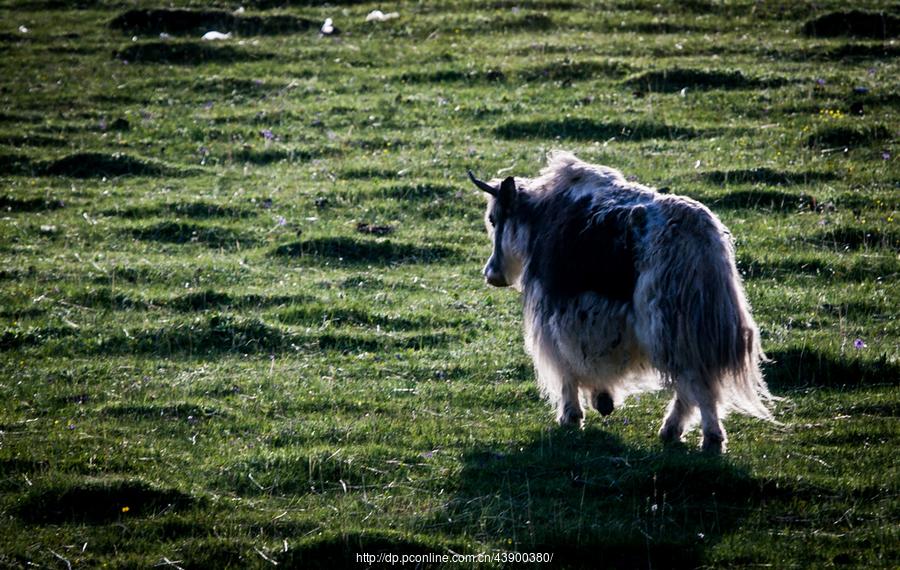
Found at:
<point>569,407</point>
<point>714,438</point>
<point>679,415</point>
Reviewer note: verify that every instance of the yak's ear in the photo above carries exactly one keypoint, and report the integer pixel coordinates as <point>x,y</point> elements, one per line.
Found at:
<point>508,191</point>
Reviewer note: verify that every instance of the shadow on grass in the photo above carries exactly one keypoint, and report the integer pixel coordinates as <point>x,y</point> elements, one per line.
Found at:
<point>848,136</point>
<point>216,335</point>
<point>591,130</point>
<point>763,175</point>
<point>262,157</point>
<point>854,50</point>
<point>339,550</point>
<point>854,238</point>
<point>856,23</point>
<point>452,75</point>
<point>98,501</point>
<point>567,70</point>
<point>316,315</point>
<point>659,28</point>
<point>676,79</point>
<point>32,140</point>
<point>367,173</point>
<point>222,334</point>
<point>510,22</point>
<point>194,210</point>
<point>20,339</point>
<point>799,367</point>
<point>181,21</point>
<point>594,502</point>
<point>96,165</point>
<point>13,204</point>
<point>356,251</point>
<point>181,233</point>
<point>211,299</point>
<point>181,411</point>
<point>859,269</point>
<point>764,200</point>
<point>186,53</point>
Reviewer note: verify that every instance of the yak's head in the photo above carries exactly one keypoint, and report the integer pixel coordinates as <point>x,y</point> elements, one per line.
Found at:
<point>504,267</point>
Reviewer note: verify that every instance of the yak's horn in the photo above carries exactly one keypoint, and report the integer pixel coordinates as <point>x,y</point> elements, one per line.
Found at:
<point>483,185</point>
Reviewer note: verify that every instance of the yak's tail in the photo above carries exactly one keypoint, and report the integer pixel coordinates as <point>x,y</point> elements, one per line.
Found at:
<point>705,317</point>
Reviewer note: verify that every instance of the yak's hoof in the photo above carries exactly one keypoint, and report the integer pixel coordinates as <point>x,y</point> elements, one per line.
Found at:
<point>713,444</point>
<point>603,403</point>
<point>670,435</point>
<point>571,417</point>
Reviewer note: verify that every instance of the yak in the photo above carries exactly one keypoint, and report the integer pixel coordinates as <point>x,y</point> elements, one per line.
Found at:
<point>626,289</point>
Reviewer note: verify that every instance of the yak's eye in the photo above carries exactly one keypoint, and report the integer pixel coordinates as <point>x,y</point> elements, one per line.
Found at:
<point>492,220</point>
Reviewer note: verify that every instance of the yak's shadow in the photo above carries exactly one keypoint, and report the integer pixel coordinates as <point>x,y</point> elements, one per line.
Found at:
<point>594,501</point>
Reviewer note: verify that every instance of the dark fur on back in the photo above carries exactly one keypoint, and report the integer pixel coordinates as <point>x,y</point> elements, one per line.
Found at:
<point>565,233</point>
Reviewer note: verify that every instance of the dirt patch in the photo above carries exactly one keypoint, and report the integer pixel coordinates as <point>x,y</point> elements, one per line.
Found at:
<point>186,53</point>
<point>99,501</point>
<point>676,79</point>
<point>349,250</point>
<point>374,229</point>
<point>181,21</point>
<point>181,233</point>
<point>591,130</point>
<point>95,165</point>
<point>205,210</point>
<point>417,192</point>
<point>853,23</point>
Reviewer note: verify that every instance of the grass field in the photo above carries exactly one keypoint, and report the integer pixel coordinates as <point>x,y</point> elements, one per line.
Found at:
<point>242,320</point>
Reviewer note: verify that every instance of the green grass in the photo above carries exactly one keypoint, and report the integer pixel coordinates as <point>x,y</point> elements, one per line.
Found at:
<point>210,356</point>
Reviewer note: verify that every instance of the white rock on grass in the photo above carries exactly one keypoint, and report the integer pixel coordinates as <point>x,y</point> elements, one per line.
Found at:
<point>213,35</point>
<point>379,16</point>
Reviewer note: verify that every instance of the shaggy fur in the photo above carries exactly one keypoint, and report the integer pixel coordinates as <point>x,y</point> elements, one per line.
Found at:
<point>626,289</point>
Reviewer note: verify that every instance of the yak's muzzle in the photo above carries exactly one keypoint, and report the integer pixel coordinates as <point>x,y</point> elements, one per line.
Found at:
<point>494,277</point>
